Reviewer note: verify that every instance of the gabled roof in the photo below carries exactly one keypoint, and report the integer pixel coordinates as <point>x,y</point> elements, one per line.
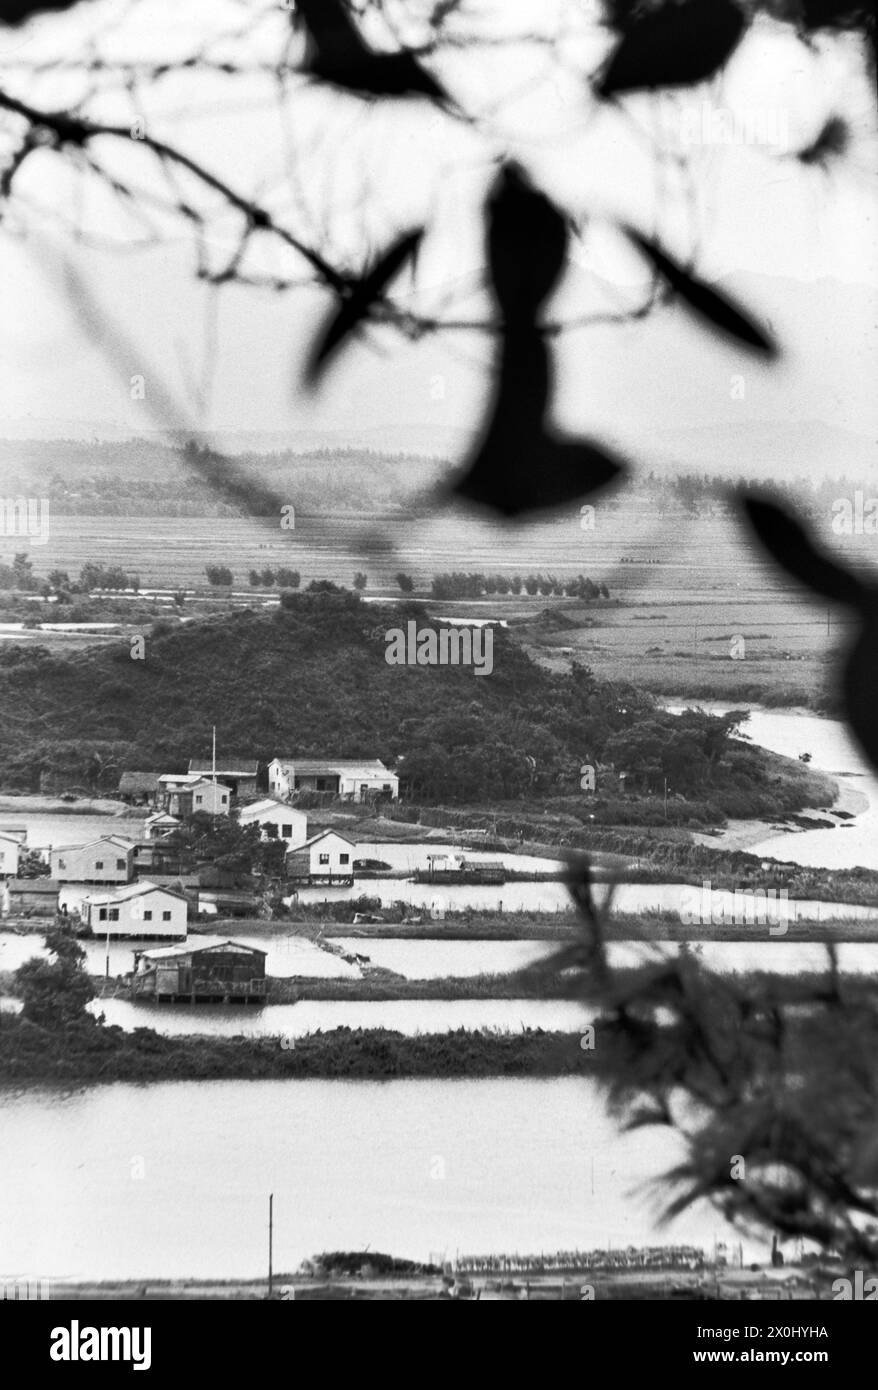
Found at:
<point>98,840</point>
<point>187,779</point>
<point>134,890</point>
<point>246,767</point>
<point>322,836</point>
<point>205,943</point>
<point>269,803</point>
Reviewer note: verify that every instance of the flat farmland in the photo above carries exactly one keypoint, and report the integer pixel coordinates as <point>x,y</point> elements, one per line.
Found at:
<point>682,587</point>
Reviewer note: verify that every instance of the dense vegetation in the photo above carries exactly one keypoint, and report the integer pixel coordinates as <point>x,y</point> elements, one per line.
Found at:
<point>83,1054</point>
<point>465,584</point>
<point>311,679</point>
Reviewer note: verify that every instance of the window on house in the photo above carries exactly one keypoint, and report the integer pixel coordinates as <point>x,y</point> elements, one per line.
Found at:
<point>114,914</point>
<point>344,859</point>
<point>120,864</point>
<point>323,859</point>
<point>147,915</point>
<point>386,787</point>
<point>287,831</point>
<point>62,863</point>
<point>99,863</point>
<point>270,828</point>
<point>198,800</point>
<point>166,916</point>
<point>102,914</point>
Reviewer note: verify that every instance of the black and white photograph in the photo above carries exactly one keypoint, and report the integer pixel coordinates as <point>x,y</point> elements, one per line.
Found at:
<point>438,665</point>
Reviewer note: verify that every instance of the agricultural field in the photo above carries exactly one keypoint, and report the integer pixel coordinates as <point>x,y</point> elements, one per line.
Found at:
<point>682,587</point>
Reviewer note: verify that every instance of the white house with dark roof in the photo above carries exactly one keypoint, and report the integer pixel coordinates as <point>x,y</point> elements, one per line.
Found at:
<point>141,910</point>
<point>184,793</point>
<point>355,779</point>
<point>277,820</point>
<point>238,774</point>
<point>325,857</point>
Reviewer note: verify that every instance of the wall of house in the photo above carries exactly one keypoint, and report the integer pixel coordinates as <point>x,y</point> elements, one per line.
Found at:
<point>351,786</point>
<point>214,800</point>
<point>331,856</point>
<point>280,780</point>
<point>292,826</point>
<point>9,853</point>
<point>106,863</point>
<point>158,915</point>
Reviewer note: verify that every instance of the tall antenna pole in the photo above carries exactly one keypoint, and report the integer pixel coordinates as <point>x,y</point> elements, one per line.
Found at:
<point>270,1241</point>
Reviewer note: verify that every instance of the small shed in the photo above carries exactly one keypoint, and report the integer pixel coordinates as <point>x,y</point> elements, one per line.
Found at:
<point>205,970</point>
<point>140,788</point>
<point>33,897</point>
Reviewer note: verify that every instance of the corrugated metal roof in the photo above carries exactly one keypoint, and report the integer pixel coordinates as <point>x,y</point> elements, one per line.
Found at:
<point>99,840</point>
<point>196,945</point>
<point>133,890</point>
<point>347,767</point>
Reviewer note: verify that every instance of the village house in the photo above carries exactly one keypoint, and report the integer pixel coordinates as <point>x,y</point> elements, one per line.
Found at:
<point>277,820</point>
<point>325,858</point>
<point>30,897</point>
<point>139,788</point>
<point>159,824</point>
<point>141,910</point>
<point>352,779</point>
<point>109,859</point>
<point>10,851</point>
<point>208,970</point>
<point>239,775</point>
<point>182,794</point>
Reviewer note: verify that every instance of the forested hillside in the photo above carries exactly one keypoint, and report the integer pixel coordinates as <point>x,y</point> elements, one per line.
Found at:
<point>311,679</point>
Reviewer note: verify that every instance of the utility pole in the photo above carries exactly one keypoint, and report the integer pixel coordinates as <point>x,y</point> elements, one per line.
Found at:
<point>270,1243</point>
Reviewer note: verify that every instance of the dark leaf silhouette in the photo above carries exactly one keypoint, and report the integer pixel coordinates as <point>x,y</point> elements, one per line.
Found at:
<point>527,244</point>
<point>791,546</point>
<point>831,143</point>
<point>708,303</point>
<point>521,464</point>
<point>362,297</point>
<point>675,46</point>
<point>15,11</point>
<point>338,54</point>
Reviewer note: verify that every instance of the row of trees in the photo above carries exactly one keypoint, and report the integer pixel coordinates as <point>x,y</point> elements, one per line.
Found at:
<point>20,575</point>
<point>265,579</point>
<point>463,584</point>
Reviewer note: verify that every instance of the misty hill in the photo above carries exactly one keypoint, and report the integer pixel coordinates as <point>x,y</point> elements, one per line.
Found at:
<point>145,476</point>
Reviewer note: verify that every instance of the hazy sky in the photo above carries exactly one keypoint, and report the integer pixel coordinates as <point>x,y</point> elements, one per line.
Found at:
<point>799,242</point>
